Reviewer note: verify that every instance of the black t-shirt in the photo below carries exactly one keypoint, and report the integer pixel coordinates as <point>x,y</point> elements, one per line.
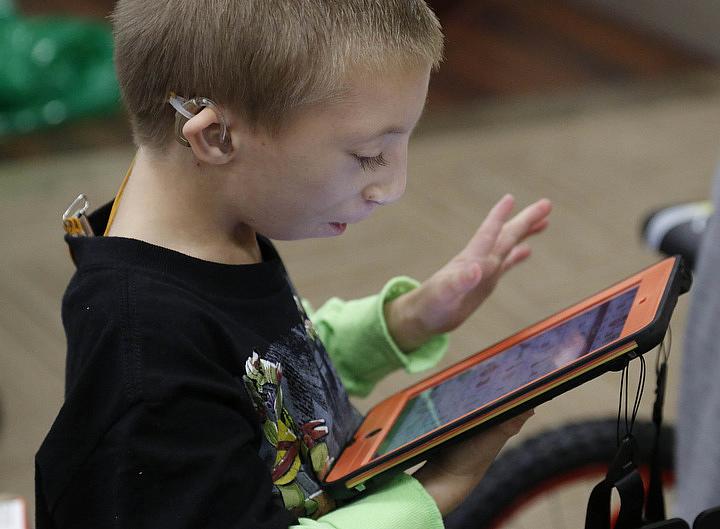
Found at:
<point>197,395</point>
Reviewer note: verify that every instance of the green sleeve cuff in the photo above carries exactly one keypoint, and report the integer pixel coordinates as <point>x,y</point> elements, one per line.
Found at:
<point>358,341</point>
<point>422,358</point>
<point>401,504</point>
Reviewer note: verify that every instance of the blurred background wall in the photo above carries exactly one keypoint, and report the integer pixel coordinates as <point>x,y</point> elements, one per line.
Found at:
<point>600,105</point>
<point>692,22</point>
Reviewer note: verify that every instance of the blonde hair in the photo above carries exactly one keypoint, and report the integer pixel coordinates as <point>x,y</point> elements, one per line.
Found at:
<point>264,59</point>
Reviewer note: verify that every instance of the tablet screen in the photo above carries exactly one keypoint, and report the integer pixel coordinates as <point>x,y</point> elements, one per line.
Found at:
<point>509,370</point>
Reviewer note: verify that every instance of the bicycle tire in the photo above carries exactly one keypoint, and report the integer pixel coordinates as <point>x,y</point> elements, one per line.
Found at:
<point>549,460</point>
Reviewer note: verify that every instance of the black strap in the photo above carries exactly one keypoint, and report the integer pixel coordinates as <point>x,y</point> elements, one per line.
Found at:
<point>655,507</point>
<point>623,476</point>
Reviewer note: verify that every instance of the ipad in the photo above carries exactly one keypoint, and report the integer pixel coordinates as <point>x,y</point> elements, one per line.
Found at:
<point>598,334</point>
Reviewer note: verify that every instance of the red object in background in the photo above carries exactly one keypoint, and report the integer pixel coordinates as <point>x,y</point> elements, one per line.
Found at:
<point>78,8</point>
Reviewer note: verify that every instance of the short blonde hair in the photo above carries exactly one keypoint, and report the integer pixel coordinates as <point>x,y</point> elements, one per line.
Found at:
<point>264,59</point>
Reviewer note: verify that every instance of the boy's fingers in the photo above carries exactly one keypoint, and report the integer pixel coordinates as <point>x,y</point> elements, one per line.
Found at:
<point>485,238</point>
<point>530,220</point>
<point>521,251</point>
<point>524,416</point>
<point>512,426</point>
<point>539,226</point>
<point>518,254</point>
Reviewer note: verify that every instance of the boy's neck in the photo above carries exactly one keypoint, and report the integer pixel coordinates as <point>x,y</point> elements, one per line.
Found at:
<point>182,208</point>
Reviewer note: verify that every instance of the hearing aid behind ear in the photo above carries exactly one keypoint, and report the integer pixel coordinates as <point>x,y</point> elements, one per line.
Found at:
<point>186,109</point>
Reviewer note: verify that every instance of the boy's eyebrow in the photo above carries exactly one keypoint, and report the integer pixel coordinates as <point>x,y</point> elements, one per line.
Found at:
<point>396,129</point>
<point>390,130</point>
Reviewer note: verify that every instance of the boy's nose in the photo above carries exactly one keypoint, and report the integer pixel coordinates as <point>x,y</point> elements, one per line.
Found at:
<point>388,189</point>
<point>385,193</point>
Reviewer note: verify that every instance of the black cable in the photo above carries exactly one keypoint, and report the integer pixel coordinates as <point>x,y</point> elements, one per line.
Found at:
<point>620,402</point>
<point>639,392</point>
<point>664,351</point>
<point>627,396</point>
<point>655,503</point>
<point>624,402</point>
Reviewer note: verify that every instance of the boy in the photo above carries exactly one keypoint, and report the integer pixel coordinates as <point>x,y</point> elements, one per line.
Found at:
<point>199,393</point>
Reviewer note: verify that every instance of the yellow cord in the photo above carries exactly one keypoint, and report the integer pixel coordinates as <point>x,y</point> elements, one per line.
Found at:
<point>116,202</point>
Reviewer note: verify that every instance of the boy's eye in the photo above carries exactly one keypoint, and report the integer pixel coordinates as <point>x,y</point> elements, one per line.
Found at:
<point>371,163</point>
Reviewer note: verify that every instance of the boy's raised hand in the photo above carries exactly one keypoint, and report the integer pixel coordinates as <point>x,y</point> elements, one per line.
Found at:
<point>454,292</point>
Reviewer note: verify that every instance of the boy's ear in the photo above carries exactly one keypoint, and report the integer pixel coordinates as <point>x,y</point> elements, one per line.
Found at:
<point>203,132</point>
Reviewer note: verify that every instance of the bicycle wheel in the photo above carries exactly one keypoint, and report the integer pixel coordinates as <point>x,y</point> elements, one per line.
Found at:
<point>546,480</point>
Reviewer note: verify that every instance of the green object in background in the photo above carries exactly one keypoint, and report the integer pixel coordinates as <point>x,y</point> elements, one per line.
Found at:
<point>6,8</point>
<point>53,69</point>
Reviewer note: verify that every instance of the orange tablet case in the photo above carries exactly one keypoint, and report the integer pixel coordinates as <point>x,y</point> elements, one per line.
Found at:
<point>659,286</point>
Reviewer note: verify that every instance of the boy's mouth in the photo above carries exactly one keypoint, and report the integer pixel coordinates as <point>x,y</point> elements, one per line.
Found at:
<point>339,227</point>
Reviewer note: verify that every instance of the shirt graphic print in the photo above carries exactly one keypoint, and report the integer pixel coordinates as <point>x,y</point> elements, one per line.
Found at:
<point>305,415</point>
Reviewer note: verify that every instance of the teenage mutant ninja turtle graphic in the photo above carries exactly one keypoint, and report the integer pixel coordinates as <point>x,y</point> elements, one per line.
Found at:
<point>301,456</point>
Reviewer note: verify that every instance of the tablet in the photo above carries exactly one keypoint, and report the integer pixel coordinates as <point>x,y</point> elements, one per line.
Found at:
<point>598,334</point>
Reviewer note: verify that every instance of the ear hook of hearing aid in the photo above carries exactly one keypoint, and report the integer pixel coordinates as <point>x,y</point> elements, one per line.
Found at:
<point>186,109</point>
